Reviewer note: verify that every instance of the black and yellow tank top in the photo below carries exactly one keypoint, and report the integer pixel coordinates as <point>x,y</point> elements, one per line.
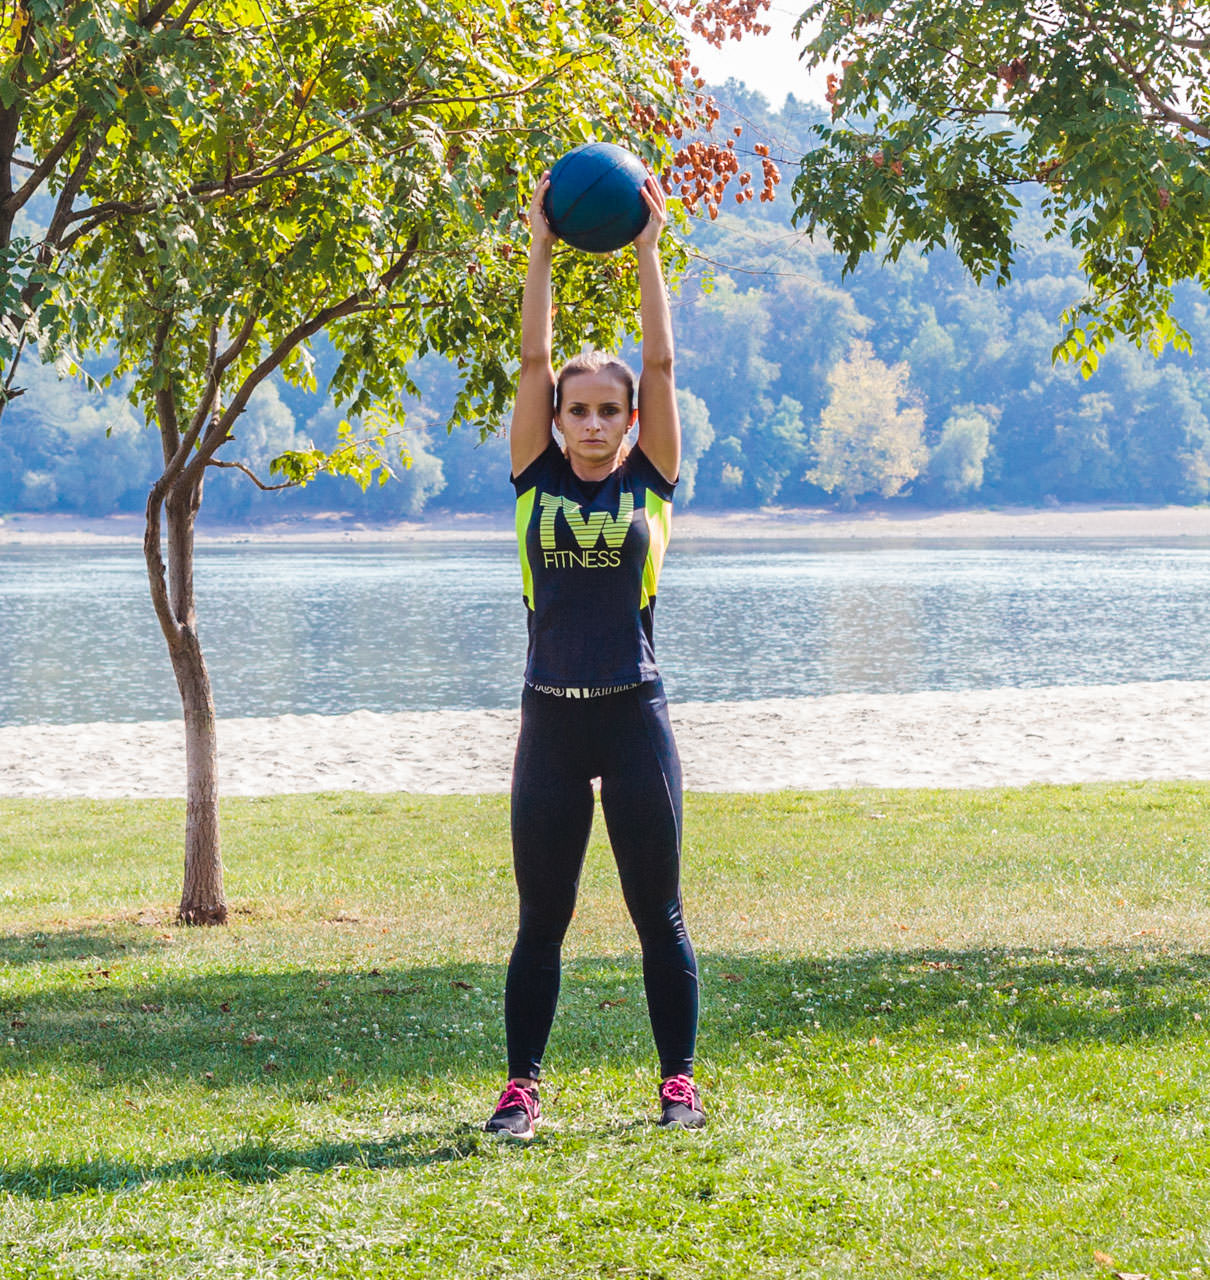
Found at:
<point>591,554</point>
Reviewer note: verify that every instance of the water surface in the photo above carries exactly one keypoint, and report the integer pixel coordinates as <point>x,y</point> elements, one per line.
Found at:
<point>339,628</point>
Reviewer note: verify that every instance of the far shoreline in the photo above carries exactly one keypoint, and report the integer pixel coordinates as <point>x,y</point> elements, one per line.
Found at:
<point>874,523</point>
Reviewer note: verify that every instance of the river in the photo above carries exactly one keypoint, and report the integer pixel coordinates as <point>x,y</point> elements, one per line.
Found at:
<point>332,629</point>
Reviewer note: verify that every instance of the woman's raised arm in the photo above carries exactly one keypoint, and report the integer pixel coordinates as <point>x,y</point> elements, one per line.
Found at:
<point>659,421</point>
<point>533,409</point>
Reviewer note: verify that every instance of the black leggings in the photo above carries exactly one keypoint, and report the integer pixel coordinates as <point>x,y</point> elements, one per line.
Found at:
<point>625,739</point>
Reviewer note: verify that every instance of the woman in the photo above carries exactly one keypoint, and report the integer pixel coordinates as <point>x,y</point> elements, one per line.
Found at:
<point>593,522</point>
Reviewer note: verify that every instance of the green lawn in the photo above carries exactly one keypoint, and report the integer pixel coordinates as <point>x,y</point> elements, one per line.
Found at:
<point>955,1034</point>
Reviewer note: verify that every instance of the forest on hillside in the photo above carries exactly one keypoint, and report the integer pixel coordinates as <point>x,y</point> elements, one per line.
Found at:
<point>798,386</point>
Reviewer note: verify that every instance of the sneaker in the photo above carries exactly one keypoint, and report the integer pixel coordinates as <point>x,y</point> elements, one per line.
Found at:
<point>516,1112</point>
<point>681,1105</point>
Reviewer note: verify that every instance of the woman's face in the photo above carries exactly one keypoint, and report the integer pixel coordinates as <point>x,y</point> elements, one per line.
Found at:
<point>593,420</point>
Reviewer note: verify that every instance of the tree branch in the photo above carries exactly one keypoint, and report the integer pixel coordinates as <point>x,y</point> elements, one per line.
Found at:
<point>67,196</point>
<point>216,365</point>
<point>240,340</point>
<point>170,443</point>
<point>211,385</point>
<point>10,130</point>
<point>274,168</point>
<point>220,428</point>
<point>179,461</point>
<point>174,448</point>
<point>9,393</point>
<point>53,71</point>
<point>1171,114</point>
<point>1127,24</point>
<point>157,571</point>
<point>256,480</point>
<point>170,429</point>
<point>1145,87</point>
<point>152,17</point>
<point>178,23</point>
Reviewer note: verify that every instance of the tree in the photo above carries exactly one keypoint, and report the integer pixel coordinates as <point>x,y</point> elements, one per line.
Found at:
<point>943,111</point>
<point>230,179</point>
<point>869,440</point>
<point>956,462</point>
<point>698,437</point>
<point>775,447</point>
<point>722,339</point>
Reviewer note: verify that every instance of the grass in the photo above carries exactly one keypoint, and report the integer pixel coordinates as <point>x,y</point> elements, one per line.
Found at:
<point>950,1034</point>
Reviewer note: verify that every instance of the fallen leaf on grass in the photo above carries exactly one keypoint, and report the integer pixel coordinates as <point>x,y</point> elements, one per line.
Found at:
<point>270,1066</point>
<point>1130,1275</point>
<point>252,1038</point>
<point>152,1008</point>
<point>732,977</point>
<point>225,1007</point>
<point>1101,1259</point>
<point>18,1023</point>
<point>462,986</point>
<point>611,1004</point>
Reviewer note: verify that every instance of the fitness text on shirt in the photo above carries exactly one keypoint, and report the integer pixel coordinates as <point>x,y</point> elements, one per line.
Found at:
<point>588,533</point>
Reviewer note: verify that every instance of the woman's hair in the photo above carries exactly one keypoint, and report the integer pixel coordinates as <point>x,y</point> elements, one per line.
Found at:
<point>597,362</point>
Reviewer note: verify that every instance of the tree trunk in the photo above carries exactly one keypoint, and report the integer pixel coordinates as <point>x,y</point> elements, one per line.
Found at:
<point>203,900</point>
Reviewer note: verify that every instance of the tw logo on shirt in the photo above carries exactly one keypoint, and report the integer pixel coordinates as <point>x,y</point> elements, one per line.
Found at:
<point>599,526</point>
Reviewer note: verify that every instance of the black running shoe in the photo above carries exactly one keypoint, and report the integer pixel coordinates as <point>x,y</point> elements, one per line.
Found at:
<point>680,1103</point>
<point>516,1112</point>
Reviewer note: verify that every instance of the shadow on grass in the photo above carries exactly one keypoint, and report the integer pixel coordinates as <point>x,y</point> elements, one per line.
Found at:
<point>305,1036</point>
<point>51,946</point>
<point>301,1029</point>
<point>250,1163</point>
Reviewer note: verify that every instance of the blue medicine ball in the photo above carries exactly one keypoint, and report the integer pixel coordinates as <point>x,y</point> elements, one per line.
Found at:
<point>594,200</point>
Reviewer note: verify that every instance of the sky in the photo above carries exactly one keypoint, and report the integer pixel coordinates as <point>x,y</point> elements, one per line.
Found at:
<point>769,64</point>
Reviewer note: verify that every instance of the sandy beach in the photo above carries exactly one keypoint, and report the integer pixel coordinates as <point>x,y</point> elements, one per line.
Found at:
<point>989,738</point>
<point>1005,737</point>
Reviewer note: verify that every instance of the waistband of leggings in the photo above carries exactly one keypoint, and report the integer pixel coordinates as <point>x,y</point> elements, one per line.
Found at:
<point>582,692</point>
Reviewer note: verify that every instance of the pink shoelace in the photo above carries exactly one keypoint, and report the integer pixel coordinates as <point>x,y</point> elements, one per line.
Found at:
<point>518,1096</point>
<point>679,1089</point>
